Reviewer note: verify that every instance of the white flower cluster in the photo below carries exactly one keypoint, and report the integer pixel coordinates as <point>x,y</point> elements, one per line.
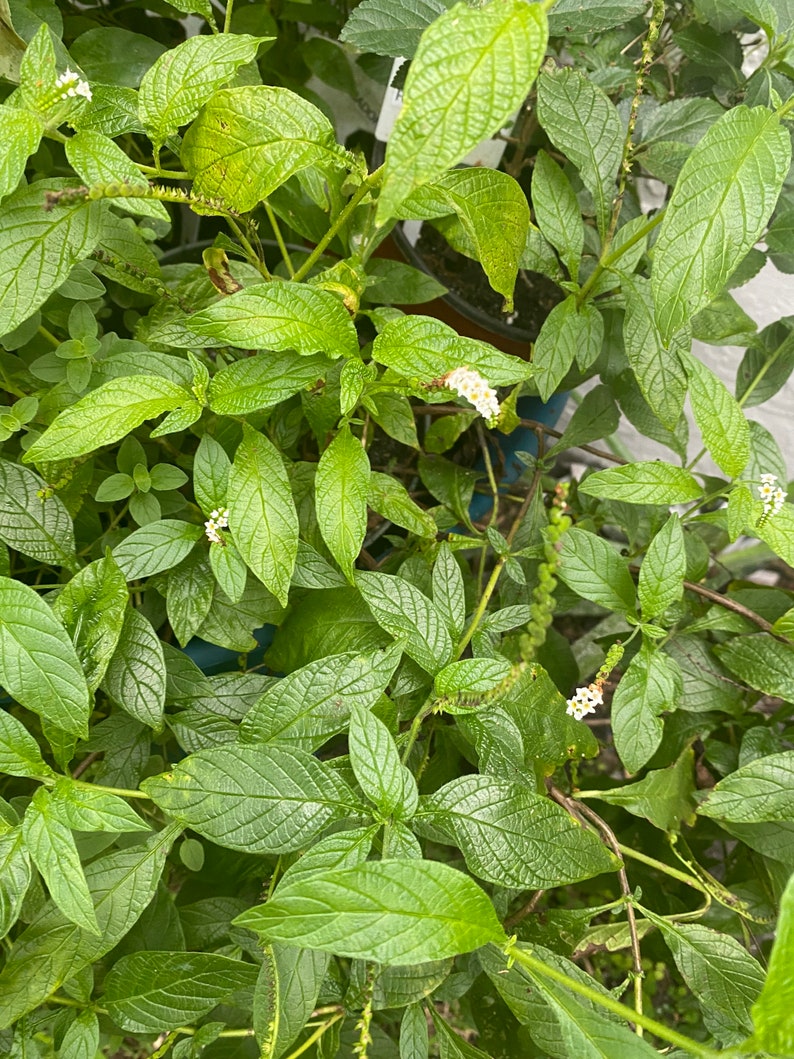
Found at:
<point>218,520</point>
<point>71,84</point>
<point>773,496</point>
<point>471,385</point>
<point>585,701</point>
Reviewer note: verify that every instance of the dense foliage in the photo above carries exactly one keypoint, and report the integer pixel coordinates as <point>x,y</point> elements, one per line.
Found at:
<point>514,775</point>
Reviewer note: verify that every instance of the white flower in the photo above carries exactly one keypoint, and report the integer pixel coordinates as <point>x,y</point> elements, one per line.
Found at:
<point>71,84</point>
<point>585,701</point>
<point>471,385</point>
<point>218,520</point>
<point>773,496</point>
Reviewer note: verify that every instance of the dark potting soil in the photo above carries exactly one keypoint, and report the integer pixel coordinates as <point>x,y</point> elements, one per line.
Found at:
<point>534,298</point>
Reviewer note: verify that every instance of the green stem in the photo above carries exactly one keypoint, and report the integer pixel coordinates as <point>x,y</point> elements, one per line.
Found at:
<point>315,1036</point>
<point>360,193</point>
<point>604,1000</point>
<point>121,791</point>
<point>165,174</point>
<point>481,607</point>
<point>608,261</point>
<point>227,21</point>
<point>651,862</point>
<point>250,253</point>
<point>416,725</point>
<point>49,336</point>
<point>279,237</point>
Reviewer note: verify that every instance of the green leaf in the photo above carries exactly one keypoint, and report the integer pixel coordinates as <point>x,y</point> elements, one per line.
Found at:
<point>451,1044</point>
<point>778,533</point>
<point>448,591</point>
<point>262,515</point>
<point>472,70</point>
<point>340,849</point>
<point>285,995</point>
<point>257,799</point>
<point>105,415</point>
<point>590,16</point>
<point>38,664</point>
<point>155,547</point>
<point>87,809</point>
<point>396,283</point>
<point>81,1039</point>
<point>725,430</point>
<point>557,212</point>
<point>762,790</point>
<point>211,468</point>
<point>472,676</point>
<point>15,877</point>
<point>427,348</point>
<point>390,911</point>
<point>381,27</point>
<point>376,765</point>
<point>595,417</point>
<point>720,972</point>
<point>650,685</point>
<point>663,569</point>
<point>583,122</point>
<point>191,587</point>
<point>249,141</point>
<point>180,82</point>
<point>98,160</point>
<point>52,949</point>
<point>147,992</point>
<point>39,248</point>
<point>268,378</point>
<point>53,851</point>
<point>92,607</point>
<point>664,797</point>
<point>657,368</point>
<point>135,677</point>
<point>19,751</point>
<point>762,662</point>
<point>389,497</point>
<point>311,704</point>
<point>405,612</point>
<point>341,488</point>
<point>414,1042</point>
<point>592,567</point>
<point>644,482</point>
<point>722,200</point>
<point>511,836</point>
<point>569,334</point>
<point>20,133</point>
<point>36,525</point>
<point>773,1014</point>
<point>279,316</point>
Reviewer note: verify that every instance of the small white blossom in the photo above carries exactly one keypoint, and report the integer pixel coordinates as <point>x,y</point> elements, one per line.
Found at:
<point>585,701</point>
<point>218,520</point>
<point>471,385</point>
<point>773,496</point>
<point>71,84</point>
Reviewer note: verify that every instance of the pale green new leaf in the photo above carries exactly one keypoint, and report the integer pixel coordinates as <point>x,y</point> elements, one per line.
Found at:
<point>98,160</point>
<point>472,676</point>
<point>279,316</point>
<point>376,765</point>
<point>106,415</point>
<point>211,466</point>
<point>92,608</point>
<point>391,911</point>
<point>177,85</point>
<point>389,497</point>
<point>38,664</point>
<point>644,482</point>
<point>761,662</point>
<point>386,28</point>
<point>583,122</point>
<point>472,69</point>
<point>147,992</point>
<point>312,703</point>
<point>31,521</point>
<point>135,677</point>
<point>661,580</point>
<point>557,211</point>
<point>593,568</point>
<point>650,685</point>
<point>405,612</point>
<point>262,515</point>
<point>52,848</point>
<point>341,488</point>
<point>20,132</point>
<point>257,799</point>
<point>722,200</point>
<point>773,1014</point>
<point>19,751</point>
<point>511,836</point>
<point>422,347</point>
<point>263,381</point>
<point>39,248</point>
<point>249,141</point>
<point>155,547</point>
<point>762,790</point>
<point>725,430</point>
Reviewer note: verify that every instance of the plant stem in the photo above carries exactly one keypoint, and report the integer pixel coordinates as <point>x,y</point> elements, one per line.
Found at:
<point>651,862</point>
<point>485,599</point>
<point>227,22</point>
<point>165,174</point>
<point>604,1000</point>
<point>123,792</point>
<point>360,193</point>
<point>610,259</point>
<point>279,237</point>
<point>314,1037</point>
<point>250,253</point>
